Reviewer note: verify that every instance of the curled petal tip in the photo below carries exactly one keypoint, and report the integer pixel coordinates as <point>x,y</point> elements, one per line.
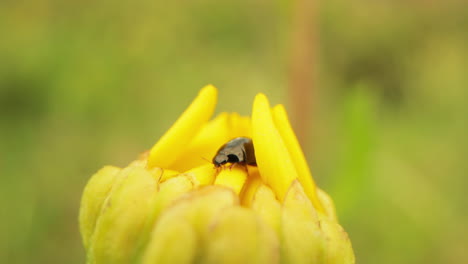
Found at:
<point>210,90</point>
<point>261,98</point>
<point>168,149</point>
<point>279,108</point>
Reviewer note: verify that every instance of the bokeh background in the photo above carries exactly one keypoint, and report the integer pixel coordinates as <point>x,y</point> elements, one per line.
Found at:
<point>377,91</point>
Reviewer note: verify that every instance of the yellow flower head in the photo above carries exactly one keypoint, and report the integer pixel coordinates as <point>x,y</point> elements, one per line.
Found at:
<point>172,206</point>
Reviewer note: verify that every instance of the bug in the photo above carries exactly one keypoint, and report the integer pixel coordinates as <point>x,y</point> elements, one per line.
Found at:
<point>237,150</point>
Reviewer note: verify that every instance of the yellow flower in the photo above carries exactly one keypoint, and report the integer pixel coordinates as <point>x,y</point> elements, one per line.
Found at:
<point>172,206</point>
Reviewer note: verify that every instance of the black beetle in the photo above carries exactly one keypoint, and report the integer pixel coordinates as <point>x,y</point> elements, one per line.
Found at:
<point>238,150</point>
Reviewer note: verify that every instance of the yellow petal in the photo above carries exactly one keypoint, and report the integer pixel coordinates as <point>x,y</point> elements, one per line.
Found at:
<point>197,209</point>
<point>239,126</point>
<point>337,246</point>
<point>267,207</point>
<point>250,186</point>
<point>138,163</point>
<point>273,159</point>
<point>124,219</point>
<point>200,206</point>
<point>167,174</point>
<point>211,137</point>
<point>237,236</point>
<point>287,134</point>
<point>233,178</point>
<point>94,195</point>
<point>174,242</point>
<point>302,239</point>
<point>168,149</point>
<point>328,204</point>
<point>171,190</point>
<point>204,175</point>
<point>205,143</point>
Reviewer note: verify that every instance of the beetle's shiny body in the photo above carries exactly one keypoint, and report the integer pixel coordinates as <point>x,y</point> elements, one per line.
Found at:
<point>238,150</point>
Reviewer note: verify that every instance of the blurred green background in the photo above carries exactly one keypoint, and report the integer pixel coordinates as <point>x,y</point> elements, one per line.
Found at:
<point>89,83</point>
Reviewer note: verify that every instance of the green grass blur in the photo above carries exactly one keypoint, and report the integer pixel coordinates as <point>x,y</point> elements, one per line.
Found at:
<point>89,83</point>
